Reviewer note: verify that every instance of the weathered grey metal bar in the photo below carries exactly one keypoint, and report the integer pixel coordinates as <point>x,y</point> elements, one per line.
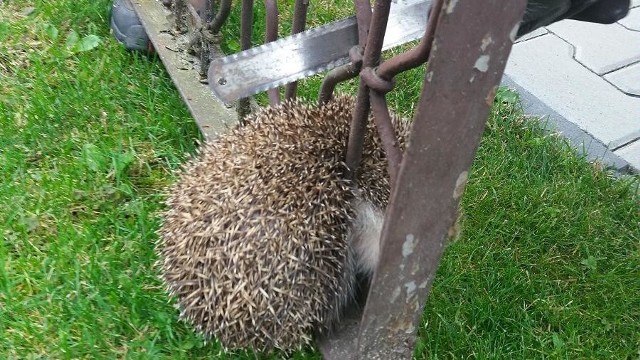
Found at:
<point>211,115</point>
<point>470,50</point>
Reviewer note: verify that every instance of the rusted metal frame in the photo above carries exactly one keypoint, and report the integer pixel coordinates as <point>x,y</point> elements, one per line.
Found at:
<point>246,23</point>
<point>371,58</point>
<point>271,34</point>
<point>299,23</point>
<point>381,81</point>
<point>450,118</point>
<point>351,70</point>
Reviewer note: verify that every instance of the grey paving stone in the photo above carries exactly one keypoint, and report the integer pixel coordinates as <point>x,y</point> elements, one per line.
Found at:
<point>630,153</point>
<point>627,79</point>
<point>544,67</point>
<point>632,20</point>
<point>583,142</point>
<point>601,48</point>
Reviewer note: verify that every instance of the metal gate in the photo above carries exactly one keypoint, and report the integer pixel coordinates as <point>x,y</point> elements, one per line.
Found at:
<point>466,44</point>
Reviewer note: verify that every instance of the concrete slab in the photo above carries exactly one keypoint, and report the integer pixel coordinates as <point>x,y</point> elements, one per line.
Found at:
<point>601,48</point>
<point>544,67</point>
<point>632,20</point>
<point>626,79</point>
<point>631,153</point>
<point>584,143</point>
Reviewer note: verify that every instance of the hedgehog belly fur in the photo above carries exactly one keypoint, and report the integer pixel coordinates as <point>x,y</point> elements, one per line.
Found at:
<point>263,237</point>
<point>364,235</point>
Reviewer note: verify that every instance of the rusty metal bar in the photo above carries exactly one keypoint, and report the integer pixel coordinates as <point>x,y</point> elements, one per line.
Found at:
<point>363,16</point>
<point>299,23</point>
<point>221,16</point>
<point>448,125</point>
<point>387,134</point>
<point>372,52</point>
<point>271,7</point>
<point>246,25</point>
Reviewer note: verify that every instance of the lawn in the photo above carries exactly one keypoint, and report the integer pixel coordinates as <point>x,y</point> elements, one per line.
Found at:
<point>547,265</point>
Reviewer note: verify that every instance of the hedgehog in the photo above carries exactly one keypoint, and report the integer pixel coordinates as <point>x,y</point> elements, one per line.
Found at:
<point>264,239</point>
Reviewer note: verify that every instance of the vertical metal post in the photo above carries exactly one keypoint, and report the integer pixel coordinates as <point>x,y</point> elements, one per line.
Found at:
<point>448,125</point>
<point>299,23</point>
<point>372,52</point>
<point>468,56</point>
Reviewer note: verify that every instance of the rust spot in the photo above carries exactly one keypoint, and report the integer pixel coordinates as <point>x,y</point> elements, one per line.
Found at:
<point>482,63</point>
<point>409,245</point>
<point>451,5</point>
<point>491,95</point>
<point>461,182</point>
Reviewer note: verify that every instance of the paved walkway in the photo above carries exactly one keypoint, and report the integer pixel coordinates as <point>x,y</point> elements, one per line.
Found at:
<point>586,79</point>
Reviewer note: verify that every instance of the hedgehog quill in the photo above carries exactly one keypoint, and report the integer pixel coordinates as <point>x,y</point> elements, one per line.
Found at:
<point>263,239</point>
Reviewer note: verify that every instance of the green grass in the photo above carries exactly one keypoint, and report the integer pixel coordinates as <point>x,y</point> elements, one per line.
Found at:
<point>548,264</point>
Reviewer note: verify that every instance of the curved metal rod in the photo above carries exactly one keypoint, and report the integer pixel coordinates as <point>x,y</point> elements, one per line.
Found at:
<point>334,77</point>
<point>416,56</point>
<point>223,14</point>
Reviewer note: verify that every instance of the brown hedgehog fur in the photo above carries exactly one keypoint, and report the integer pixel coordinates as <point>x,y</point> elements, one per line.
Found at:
<point>256,241</point>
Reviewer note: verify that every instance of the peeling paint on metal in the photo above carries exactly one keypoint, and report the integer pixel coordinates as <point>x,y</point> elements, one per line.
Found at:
<point>411,289</point>
<point>460,184</point>
<point>482,64</point>
<point>490,96</point>
<point>452,4</point>
<point>409,245</point>
<point>410,330</point>
<point>429,75</point>
<point>486,41</point>
<point>514,32</point>
<point>395,294</point>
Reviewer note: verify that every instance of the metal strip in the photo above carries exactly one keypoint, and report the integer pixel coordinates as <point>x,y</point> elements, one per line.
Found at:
<point>307,53</point>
